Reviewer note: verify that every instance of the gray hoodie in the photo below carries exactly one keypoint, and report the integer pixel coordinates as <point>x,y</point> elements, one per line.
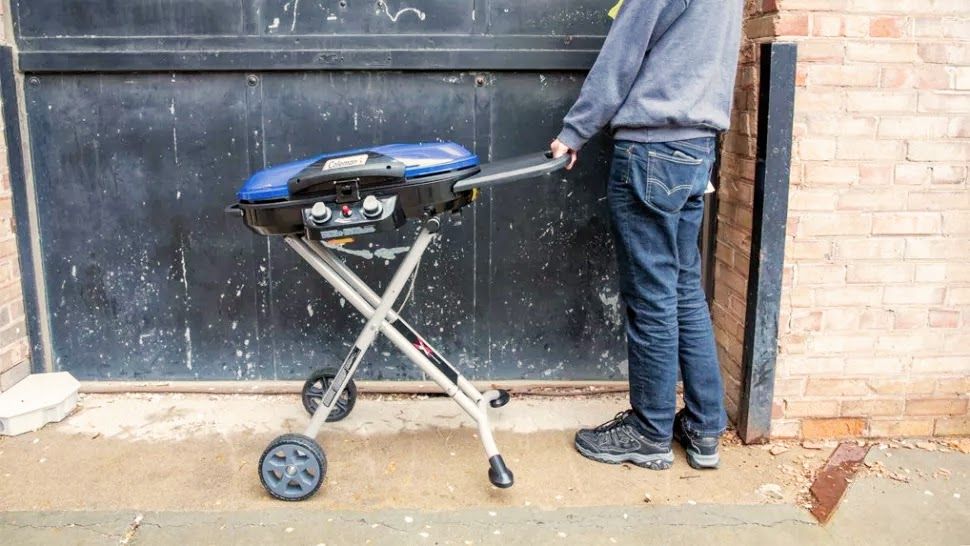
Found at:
<point>665,72</point>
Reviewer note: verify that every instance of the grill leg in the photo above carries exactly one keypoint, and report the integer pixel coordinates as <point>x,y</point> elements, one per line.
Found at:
<point>373,326</point>
<point>373,299</point>
<point>404,338</point>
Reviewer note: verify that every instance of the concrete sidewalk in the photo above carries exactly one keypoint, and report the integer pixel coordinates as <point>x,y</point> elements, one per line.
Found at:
<point>181,469</point>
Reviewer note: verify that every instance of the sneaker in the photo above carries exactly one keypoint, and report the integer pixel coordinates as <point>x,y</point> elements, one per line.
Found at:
<point>701,450</point>
<point>618,441</point>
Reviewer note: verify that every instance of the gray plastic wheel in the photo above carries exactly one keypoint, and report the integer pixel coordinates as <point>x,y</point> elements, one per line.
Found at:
<point>293,467</point>
<point>317,385</point>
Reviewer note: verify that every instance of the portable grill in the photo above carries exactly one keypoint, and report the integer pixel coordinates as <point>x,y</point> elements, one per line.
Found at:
<point>340,196</point>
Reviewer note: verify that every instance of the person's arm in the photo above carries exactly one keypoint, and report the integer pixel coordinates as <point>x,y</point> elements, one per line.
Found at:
<point>613,74</point>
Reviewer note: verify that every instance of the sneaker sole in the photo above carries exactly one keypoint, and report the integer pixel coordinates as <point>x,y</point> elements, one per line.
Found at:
<point>659,461</point>
<point>695,459</point>
<point>703,462</point>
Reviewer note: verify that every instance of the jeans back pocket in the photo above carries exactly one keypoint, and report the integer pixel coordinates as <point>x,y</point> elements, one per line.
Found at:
<point>671,176</point>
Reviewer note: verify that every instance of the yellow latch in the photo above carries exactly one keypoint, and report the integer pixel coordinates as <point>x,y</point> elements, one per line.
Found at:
<point>615,10</point>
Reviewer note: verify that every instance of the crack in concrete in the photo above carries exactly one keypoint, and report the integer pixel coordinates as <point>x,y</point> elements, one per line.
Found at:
<point>91,527</point>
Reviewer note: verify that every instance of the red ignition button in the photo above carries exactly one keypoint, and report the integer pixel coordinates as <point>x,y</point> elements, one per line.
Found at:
<point>345,210</point>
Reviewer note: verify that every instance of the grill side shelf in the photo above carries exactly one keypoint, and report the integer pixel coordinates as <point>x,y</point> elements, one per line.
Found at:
<point>511,170</point>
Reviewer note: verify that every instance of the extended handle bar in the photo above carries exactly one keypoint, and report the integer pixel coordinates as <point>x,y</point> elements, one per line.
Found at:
<point>510,170</point>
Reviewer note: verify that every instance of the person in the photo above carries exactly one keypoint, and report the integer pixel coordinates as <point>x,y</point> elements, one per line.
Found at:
<point>662,84</point>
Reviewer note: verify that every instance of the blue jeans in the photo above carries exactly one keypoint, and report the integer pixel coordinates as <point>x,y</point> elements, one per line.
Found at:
<point>656,197</point>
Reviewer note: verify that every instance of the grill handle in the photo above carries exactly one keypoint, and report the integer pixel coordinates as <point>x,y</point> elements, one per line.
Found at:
<point>511,170</point>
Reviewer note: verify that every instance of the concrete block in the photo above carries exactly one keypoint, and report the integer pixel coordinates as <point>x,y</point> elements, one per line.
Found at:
<point>14,375</point>
<point>37,400</point>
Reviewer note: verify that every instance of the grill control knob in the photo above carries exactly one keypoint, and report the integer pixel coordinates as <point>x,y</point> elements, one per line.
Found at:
<point>320,213</point>
<point>371,206</point>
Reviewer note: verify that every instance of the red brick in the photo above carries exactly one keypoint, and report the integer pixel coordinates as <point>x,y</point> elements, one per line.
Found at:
<point>873,365</point>
<point>871,408</point>
<point>959,426</point>
<point>888,27</point>
<point>946,102</point>
<point>805,199</point>
<point>870,174</point>
<point>811,408</point>
<point>849,296</point>
<point>910,319</point>
<point>904,342</point>
<point>906,223</point>
<point>833,428</point>
<point>945,53</point>
<point>956,222</point>
<point>870,249</point>
<point>914,127</point>
<point>786,428</point>
<point>896,100</point>
<point>813,250</point>
<point>843,76</point>
<point>936,406</point>
<point>875,319</point>
<point>938,200</point>
<point>930,272</point>
<point>941,318</point>
<point>821,51</point>
<point>791,24</point>
<point>915,77</point>
<point>826,24</point>
<point>838,319</point>
<point>915,174</point>
<point>821,274</point>
<point>819,99</point>
<point>836,387</point>
<point>815,225</point>
<point>958,386</point>
<point>792,386</point>
<point>826,173</point>
<point>895,428</point>
<point>942,364</point>
<point>881,52</point>
<point>902,386</point>
<point>958,295</point>
<point>826,124</point>
<point>805,321</point>
<point>872,199</point>
<point>958,272</point>
<point>924,248</point>
<point>880,273</point>
<point>959,127</point>
<point>813,366</point>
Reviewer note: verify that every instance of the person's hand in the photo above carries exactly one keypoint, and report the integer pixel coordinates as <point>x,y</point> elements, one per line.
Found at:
<point>559,149</point>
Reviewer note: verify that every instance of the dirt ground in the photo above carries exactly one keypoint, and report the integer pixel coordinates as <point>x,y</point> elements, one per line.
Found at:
<point>199,452</point>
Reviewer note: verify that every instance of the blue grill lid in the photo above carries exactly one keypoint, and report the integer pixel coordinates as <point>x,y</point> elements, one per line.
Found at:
<point>419,160</point>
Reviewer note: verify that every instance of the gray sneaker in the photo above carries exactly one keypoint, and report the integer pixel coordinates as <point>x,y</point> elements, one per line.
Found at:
<point>618,441</point>
<point>702,451</point>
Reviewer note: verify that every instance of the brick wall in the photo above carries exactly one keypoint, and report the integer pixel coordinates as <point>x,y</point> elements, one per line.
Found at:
<point>874,337</point>
<point>14,364</point>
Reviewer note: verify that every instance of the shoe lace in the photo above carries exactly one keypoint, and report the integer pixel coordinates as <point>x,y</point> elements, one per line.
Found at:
<point>618,420</point>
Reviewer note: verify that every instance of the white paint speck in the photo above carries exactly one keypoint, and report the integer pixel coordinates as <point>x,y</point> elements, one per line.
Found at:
<point>296,6</point>
<point>188,348</point>
<point>275,24</point>
<point>400,12</point>
<point>309,309</point>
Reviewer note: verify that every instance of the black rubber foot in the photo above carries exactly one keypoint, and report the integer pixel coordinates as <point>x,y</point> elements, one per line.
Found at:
<point>499,474</point>
<point>503,398</point>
